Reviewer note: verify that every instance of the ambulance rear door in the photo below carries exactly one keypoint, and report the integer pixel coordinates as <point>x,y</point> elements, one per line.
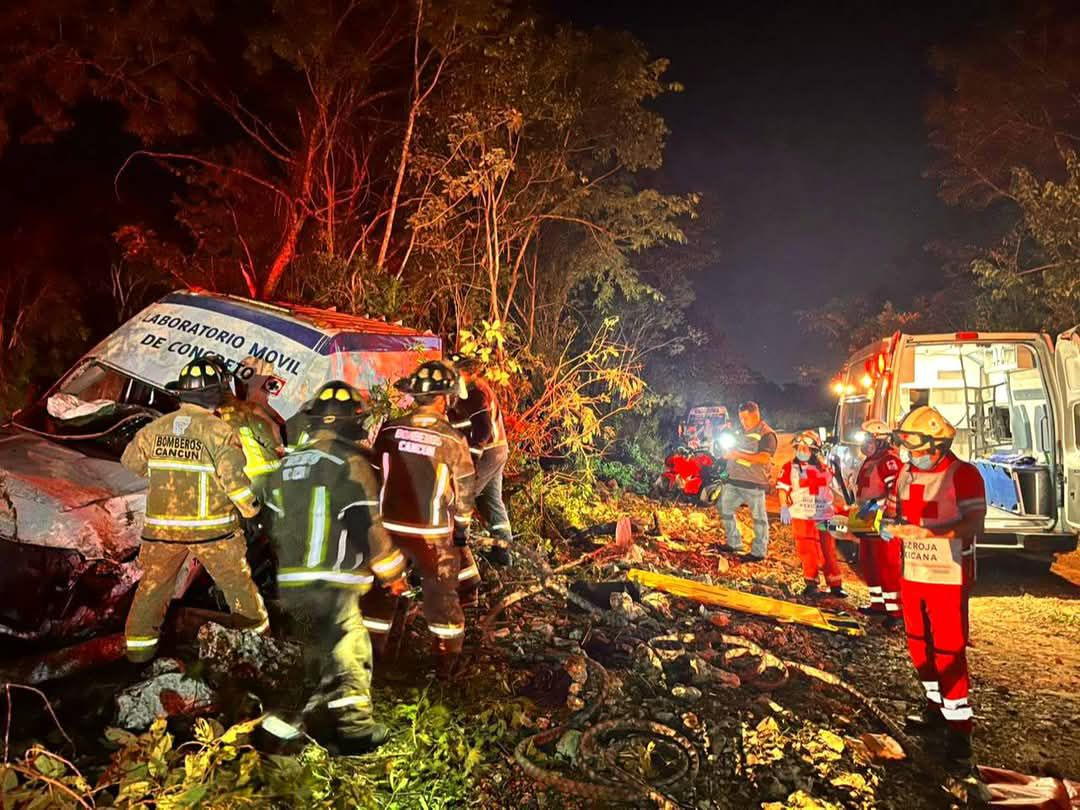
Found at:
<point>1067,363</point>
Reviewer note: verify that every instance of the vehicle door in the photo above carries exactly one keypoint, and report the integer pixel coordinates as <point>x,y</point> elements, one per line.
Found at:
<point>1067,366</point>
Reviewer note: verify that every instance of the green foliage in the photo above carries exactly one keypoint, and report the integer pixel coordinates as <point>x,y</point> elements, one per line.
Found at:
<point>635,470</point>
<point>437,751</point>
<point>1033,280</point>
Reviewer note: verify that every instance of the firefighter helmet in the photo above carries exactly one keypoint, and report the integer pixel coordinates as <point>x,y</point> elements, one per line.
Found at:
<point>463,362</point>
<point>925,429</point>
<point>201,383</point>
<point>335,400</point>
<point>434,378</point>
<point>222,366</point>
<point>808,438</point>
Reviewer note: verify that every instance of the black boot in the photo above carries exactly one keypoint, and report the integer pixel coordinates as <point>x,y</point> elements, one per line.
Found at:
<point>497,555</point>
<point>964,781</point>
<point>350,745</point>
<point>931,719</point>
<point>838,591</point>
<point>811,588</point>
<point>957,752</point>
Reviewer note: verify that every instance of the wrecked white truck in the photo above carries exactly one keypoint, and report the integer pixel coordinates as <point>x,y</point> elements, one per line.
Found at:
<point>70,514</point>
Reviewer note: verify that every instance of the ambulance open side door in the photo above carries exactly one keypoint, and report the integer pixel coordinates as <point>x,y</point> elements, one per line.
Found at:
<point>1067,362</point>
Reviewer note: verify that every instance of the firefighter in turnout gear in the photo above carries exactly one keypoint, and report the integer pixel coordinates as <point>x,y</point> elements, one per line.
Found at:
<point>939,504</point>
<point>332,549</point>
<point>426,503</point>
<point>805,486</point>
<point>476,413</point>
<point>879,559</point>
<point>197,495</point>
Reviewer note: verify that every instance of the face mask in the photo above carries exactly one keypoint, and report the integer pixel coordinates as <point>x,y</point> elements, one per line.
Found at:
<point>923,462</point>
<point>802,455</point>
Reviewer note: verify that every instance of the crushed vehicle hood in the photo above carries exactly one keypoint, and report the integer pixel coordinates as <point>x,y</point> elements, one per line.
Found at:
<point>54,496</point>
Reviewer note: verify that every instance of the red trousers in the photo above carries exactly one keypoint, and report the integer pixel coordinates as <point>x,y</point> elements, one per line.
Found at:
<point>936,622</point>
<point>880,563</point>
<point>817,550</point>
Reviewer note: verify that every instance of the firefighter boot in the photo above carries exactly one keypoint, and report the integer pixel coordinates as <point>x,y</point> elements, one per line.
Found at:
<point>498,555</point>
<point>838,591</point>
<point>811,588</point>
<point>360,743</point>
<point>929,721</point>
<point>280,734</point>
<point>448,666</point>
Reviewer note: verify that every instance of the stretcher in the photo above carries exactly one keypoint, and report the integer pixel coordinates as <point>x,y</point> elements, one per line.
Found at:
<point>731,599</point>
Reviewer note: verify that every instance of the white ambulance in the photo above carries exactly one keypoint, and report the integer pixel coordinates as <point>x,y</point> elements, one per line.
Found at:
<point>70,514</point>
<point>1014,398</point>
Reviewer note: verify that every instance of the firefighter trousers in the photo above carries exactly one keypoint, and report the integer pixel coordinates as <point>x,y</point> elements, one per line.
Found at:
<point>879,561</point>
<point>439,563</point>
<point>936,622</point>
<point>489,492</point>
<point>335,695</point>
<point>225,561</point>
<point>817,551</point>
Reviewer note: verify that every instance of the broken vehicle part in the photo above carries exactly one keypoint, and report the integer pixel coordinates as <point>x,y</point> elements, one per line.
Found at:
<point>749,603</point>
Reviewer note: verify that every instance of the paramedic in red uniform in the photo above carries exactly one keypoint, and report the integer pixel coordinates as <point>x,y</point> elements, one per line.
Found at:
<point>805,486</point>
<point>426,503</point>
<point>878,558</point>
<point>939,504</point>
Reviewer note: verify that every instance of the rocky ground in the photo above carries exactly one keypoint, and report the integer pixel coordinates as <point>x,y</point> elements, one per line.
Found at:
<point>595,699</point>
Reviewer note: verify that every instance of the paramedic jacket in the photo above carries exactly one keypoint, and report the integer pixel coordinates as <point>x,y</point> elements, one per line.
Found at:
<point>427,475</point>
<point>325,518</point>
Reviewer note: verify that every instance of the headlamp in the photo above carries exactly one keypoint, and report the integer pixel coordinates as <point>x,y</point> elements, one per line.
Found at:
<point>727,440</point>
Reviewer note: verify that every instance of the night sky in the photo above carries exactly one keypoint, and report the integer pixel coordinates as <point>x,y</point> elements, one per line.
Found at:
<point>803,122</point>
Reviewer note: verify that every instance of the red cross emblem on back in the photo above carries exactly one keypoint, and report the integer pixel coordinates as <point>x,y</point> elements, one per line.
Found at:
<point>916,507</point>
<point>813,480</point>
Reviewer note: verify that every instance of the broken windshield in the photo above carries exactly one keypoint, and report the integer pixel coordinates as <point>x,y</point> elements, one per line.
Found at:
<point>97,408</point>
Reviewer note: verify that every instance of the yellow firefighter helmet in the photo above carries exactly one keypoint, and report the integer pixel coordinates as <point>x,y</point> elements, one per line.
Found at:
<point>925,429</point>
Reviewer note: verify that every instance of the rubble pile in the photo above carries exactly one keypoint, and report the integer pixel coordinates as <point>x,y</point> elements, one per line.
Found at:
<point>679,677</point>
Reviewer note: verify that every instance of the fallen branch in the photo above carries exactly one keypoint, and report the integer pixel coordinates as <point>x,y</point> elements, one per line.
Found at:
<point>7,727</point>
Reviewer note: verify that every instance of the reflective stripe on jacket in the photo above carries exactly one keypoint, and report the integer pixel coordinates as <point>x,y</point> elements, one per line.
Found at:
<point>427,475</point>
<point>258,437</point>
<point>325,520</point>
<point>742,472</point>
<point>195,465</point>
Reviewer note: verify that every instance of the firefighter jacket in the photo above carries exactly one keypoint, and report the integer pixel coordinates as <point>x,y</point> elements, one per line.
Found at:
<point>258,434</point>
<point>742,473</point>
<point>936,499</point>
<point>876,476</point>
<point>196,469</point>
<point>810,487</point>
<point>427,475</point>
<point>479,417</point>
<point>325,519</point>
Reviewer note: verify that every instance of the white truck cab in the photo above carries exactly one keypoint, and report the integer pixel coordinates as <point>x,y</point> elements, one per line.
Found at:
<point>1014,398</point>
